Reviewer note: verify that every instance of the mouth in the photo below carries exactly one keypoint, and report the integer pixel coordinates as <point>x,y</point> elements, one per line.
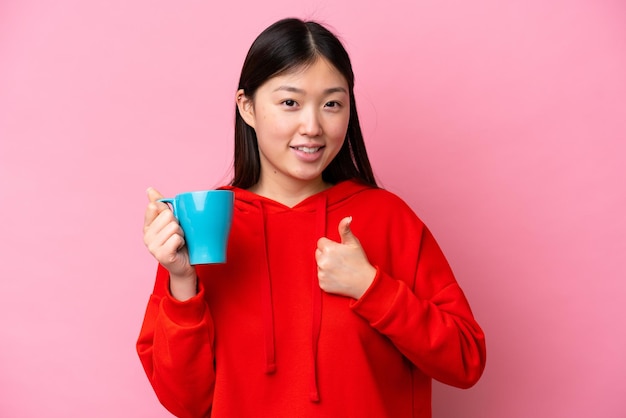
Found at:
<point>308,150</point>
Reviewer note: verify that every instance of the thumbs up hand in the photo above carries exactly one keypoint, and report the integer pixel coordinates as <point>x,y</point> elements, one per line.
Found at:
<point>343,267</point>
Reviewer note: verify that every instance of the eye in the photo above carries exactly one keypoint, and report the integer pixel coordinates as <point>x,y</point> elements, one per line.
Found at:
<point>289,103</point>
<point>333,105</point>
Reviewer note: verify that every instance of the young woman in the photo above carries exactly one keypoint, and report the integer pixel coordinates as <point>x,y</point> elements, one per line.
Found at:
<point>336,300</point>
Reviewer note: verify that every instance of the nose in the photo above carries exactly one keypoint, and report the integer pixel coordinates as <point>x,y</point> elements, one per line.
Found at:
<point>310,123</point>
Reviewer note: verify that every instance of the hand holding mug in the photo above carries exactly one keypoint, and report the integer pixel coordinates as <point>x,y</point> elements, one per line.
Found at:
<point>164,237</point>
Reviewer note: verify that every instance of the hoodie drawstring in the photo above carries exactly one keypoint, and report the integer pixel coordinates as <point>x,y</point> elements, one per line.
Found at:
<point>316,299</point>
<point>266,300</point>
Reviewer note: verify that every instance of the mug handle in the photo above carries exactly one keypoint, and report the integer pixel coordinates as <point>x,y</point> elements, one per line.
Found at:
<point>172,203</point>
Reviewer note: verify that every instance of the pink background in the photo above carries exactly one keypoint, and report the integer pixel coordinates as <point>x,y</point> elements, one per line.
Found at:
<point>502,123</point>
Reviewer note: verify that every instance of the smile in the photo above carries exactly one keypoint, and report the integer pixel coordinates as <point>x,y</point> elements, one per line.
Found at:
<point>308,150</point>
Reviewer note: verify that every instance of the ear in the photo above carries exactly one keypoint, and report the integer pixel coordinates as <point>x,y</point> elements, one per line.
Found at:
<point>246,107</point>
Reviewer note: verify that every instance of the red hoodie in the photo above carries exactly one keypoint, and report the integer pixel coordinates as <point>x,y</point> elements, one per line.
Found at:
<point>261,339</point>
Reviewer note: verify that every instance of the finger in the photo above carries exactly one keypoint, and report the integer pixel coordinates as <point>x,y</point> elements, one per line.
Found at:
<point>166,224</point>
<point>154,211</point>
<point>163,226</point>
<point>174,243</point>
<point>318,255</point>
<point>323,242</point>
<point>160,234</point>
<point>170,250</point>
<point>153,194</point>
<point>154,207</point>
<point>347,237</point>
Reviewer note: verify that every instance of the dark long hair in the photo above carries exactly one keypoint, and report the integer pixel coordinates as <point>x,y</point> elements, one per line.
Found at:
<point>286,45</point>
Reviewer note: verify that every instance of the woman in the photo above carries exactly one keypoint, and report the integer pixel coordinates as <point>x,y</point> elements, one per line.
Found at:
<point>336,301</point>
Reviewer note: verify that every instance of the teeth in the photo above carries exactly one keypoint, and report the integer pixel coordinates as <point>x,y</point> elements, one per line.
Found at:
<point>307,149</point>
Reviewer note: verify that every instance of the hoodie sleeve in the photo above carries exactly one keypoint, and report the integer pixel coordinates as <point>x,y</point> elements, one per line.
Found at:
<point>431,324</point>
<point>175,347</point>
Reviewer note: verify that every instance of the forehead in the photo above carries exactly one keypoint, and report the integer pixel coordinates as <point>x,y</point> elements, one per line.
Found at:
<point>319,71</point>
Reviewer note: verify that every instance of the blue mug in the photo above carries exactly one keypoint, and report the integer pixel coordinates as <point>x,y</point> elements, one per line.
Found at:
<point>206,218</point>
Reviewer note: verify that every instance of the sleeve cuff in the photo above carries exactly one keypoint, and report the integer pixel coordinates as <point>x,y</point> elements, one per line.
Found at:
<point>378,298</point>
<point>188,313</point>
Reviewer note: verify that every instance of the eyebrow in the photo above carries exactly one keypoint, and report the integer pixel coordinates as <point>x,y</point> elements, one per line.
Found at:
<point>300,91</point>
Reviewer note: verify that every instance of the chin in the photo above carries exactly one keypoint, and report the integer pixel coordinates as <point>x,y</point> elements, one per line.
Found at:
<point>308,177</point>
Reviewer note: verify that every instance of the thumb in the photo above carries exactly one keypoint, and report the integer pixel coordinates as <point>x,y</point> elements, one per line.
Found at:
<point>347,237</point>
<point>153,194</point>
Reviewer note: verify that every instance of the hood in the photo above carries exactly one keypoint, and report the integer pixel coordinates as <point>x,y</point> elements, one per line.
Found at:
<point>319,205</point>
<point>333,196</point>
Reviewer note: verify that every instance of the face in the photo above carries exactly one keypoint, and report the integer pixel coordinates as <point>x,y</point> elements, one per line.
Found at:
<point>300,119</point>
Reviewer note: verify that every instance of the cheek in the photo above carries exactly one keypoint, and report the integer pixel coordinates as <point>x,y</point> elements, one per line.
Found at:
<point>270,124</point>
<point>337,131</point>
